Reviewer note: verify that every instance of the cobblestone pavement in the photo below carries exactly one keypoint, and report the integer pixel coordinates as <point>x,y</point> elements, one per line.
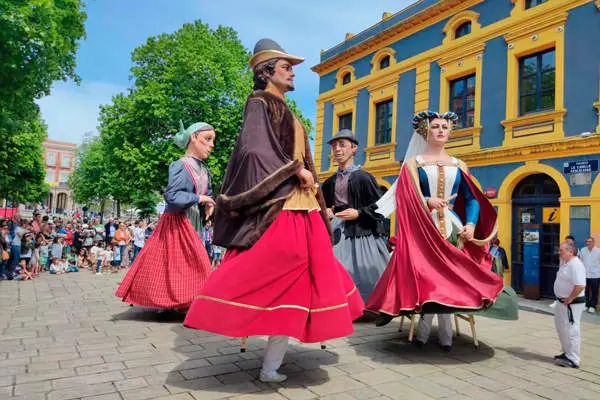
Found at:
<point>68,337</point>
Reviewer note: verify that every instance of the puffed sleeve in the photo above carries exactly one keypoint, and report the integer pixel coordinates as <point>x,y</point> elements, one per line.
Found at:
<point>179,193</point>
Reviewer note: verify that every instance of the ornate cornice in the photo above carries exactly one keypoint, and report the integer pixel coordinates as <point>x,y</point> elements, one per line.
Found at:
<point>574,146</point>
<point>430,15</point>
<point>541,22</point>
<point>462,52</point>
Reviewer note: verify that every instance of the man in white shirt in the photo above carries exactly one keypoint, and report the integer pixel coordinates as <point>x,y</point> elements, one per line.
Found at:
<point>568,288</point>
<point>590,257</point>
<point>139,238</point>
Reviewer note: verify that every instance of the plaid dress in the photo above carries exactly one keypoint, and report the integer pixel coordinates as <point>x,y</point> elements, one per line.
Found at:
<point>173,266</point>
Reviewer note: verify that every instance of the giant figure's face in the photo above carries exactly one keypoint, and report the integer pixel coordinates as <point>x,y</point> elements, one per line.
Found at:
<point>283,76</point>
<point>439,131</point>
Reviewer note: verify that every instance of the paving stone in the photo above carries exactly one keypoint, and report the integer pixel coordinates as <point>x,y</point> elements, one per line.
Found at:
<point>377,376</point>
<point>148,392</point>
<point>223,391</point>
<point>81,391</point>
<point>85,380</point>
<point>95,369</point>
<point>108,396</point>
<point>33,387</point>
<point>336,384</point>
<point>209,371</point>
<point>296,393</point>
<point>43,376</point>
<point>133,383</point>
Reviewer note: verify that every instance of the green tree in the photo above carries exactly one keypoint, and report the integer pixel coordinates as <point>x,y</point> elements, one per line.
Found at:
<point>22,170</point>
<point>89,178</point>
<point>194,74</point>
<point>38,44</point>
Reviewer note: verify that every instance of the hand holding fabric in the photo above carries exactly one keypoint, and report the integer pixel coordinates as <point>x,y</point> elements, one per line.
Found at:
<point>467,232</point>
<point>329,212</point>
<point>307,180</point>
<point>349,214</point>
<point>435,203</point>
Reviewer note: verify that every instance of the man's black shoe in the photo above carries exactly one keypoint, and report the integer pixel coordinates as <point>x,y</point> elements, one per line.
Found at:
<point>383,319</point>
<point>560,356</point>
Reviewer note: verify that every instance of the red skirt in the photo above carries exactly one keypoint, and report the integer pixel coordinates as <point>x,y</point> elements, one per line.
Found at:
<point>288,283</point>
<point>427,274</point>
<point>171,268</point>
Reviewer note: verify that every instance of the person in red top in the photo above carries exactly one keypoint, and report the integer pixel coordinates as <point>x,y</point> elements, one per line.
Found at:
<point>69,238</point>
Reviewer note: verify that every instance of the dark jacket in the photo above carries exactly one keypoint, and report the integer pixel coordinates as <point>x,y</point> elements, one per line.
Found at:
<point>363,192</point>
<point>261,173</point>
<point>108,238</point>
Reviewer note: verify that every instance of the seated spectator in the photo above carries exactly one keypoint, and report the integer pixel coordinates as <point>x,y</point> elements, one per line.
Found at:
<point>56,266</point>
<point>21,272</point>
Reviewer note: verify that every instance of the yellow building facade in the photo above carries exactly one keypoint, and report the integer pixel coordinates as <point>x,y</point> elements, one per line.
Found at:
<point>523,75</point>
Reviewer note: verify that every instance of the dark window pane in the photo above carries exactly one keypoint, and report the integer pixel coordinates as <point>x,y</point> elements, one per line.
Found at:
<point>462,100</point>
<point>345,121</point>
<point>548,60</point>
<point>458,88</point>
<point>529,85</point>
<point>537,82</point>
<point>383,122</point>
<point>346,79</point>
<point>470,119</point>
<point>528,104</point>
<point>533,3</point>
<point>548,79</point>
<point>385,62</point>
<point>463,29</point>
<point>547,101</point>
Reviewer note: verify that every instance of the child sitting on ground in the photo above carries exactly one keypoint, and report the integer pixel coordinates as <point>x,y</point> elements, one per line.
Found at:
<point>23,274</point>
<point>68,266</point>
<point>56,268</point>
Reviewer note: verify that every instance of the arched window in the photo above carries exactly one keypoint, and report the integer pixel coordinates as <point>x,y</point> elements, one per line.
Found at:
<point>346,78</point>
<point>384,62</point>
<point>463,29</point>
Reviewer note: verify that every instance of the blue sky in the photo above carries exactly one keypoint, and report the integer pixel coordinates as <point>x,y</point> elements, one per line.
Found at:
<point>115,27</point>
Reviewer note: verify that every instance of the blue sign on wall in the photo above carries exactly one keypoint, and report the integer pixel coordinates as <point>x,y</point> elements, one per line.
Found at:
<point>577,167</point>
<point>531,256</point>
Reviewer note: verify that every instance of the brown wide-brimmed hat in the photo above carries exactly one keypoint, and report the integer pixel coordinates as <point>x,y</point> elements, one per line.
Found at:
<point>267,49</point>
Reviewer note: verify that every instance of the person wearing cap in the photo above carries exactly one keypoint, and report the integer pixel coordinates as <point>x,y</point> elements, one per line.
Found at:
<point>279,277</point>
<point>173,265</point>
<point>350,196</point>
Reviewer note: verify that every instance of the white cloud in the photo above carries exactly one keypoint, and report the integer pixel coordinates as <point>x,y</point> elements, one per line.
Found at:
<point>71,111</point>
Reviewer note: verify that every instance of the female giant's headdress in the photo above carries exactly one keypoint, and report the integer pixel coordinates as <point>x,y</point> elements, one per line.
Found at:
<point>422,119</point>
<point>417,145</point>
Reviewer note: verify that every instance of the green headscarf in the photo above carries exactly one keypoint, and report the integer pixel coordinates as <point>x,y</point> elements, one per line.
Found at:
<point>182,138</point>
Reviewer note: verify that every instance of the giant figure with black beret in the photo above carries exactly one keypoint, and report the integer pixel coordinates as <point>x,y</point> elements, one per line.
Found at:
<point>279,277</point>
<point>350,196</point>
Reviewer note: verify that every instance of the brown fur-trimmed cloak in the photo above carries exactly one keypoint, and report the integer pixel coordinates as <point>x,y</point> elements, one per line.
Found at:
<point>261,173</point>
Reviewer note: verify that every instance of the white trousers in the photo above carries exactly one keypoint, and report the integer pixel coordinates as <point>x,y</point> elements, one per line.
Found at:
<point>444,328</point>
<point>274,353</point>
<point>569,334</point>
